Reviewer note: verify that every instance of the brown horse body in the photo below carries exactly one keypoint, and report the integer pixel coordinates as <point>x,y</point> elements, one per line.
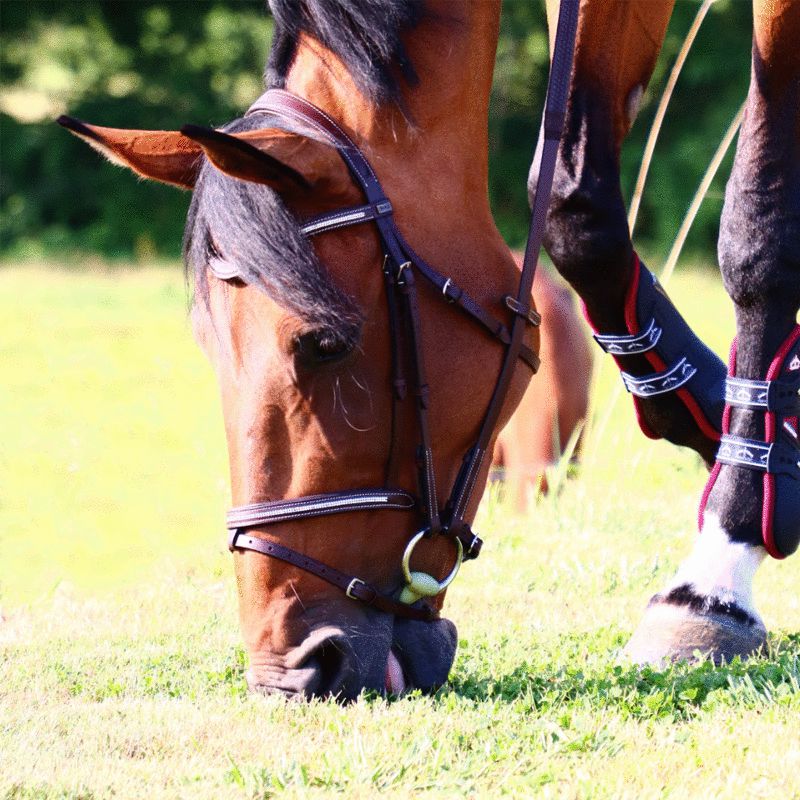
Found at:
<point>556,403</point>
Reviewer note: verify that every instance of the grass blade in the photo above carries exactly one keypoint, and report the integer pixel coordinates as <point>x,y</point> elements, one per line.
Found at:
<point>661,111</point>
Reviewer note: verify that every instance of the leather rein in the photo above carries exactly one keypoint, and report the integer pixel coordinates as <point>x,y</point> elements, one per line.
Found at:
<point>401,266</point>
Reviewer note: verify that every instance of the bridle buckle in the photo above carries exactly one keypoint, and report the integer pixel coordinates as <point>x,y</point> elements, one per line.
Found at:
<point>475,540</point>
<point>353,583</point>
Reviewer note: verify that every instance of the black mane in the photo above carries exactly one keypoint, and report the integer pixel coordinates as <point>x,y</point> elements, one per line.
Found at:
<point>365,34</point>
<point>247,228</point>
<point>247,225</point>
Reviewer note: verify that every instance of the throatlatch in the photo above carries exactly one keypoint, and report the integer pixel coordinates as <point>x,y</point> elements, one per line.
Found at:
<point>681,362</point>
<point>778,456</point>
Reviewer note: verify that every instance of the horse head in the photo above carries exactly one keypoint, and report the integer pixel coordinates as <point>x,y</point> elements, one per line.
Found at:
<point>349,403</point>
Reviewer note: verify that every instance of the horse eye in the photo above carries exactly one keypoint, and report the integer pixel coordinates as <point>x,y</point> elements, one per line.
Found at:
<point>318,348</point>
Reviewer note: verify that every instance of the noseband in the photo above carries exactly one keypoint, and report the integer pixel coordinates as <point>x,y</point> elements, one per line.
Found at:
<point>401,266</point>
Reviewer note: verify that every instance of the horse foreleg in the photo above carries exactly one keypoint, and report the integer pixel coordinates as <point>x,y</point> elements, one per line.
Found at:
<point>751,505</point>
<point>676,381</point>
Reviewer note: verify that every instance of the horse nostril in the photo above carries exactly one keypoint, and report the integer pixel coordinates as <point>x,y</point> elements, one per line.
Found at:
<point>332,662</point>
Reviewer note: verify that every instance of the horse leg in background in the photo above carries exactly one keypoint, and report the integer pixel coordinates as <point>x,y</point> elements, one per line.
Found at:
<point>677,383</point>
<point>751,505</point>
<point>554,404</point>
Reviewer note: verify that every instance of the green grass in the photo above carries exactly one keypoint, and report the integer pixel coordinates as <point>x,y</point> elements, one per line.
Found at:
<point>120,659</point>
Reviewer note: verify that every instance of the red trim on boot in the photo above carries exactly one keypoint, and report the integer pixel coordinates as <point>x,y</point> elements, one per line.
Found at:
<point>726,424</point>
<point>770,435</point>
<point>658,365</point>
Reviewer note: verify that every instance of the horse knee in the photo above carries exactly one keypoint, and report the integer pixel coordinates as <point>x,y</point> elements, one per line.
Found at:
<point>759,241</point>
<point>587,235</point>
<point>587,230</point>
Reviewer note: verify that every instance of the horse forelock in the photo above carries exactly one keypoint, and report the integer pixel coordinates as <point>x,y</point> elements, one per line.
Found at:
<point>248,226</point>
<point>366,36</point>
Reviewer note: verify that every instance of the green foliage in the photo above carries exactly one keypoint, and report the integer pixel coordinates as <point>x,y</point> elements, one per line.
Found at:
<point>162,64</point>
<point>121,64</point>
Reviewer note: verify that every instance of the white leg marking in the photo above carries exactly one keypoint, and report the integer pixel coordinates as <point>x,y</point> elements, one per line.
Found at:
<point>717,566</point>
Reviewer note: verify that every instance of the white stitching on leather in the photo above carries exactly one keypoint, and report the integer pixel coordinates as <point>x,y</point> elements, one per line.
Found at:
<point>335,220</point>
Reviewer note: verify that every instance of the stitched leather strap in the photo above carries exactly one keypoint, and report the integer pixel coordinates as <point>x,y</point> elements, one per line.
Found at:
<point>317,505</point>
<point>352,586</point>
<point>343,217</point>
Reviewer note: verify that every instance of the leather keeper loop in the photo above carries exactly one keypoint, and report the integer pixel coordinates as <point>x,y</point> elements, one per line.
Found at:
<point>528,314</point>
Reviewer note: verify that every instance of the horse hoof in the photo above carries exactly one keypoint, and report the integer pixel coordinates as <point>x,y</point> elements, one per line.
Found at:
<point>670,633</point>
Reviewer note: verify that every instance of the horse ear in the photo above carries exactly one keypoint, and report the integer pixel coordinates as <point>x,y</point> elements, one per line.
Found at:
<point>288,162</point>
<point>238,158</point>
<point>166,156</point>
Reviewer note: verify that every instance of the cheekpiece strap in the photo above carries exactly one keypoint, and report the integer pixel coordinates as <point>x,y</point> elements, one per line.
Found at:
<point>630,344</point>
<point>778,396</point>
<point>660,382</point>
<point>774,458</point>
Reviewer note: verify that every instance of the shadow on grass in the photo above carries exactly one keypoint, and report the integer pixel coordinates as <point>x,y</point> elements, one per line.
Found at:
<point>678,692</point>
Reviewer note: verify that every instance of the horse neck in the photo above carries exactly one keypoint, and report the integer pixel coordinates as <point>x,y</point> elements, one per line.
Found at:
<point>453,53</point>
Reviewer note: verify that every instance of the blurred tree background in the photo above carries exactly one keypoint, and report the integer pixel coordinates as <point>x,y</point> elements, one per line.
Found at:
<point>162,64</point>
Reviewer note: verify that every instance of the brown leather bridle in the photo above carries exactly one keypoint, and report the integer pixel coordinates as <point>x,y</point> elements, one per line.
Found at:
<point>400,267</point>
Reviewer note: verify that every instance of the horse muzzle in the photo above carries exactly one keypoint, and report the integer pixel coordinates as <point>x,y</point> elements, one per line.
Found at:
<point>394,657</point>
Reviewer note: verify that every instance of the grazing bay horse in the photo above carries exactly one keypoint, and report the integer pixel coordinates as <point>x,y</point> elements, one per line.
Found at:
<point>745,424</point>
<point>346,362</point>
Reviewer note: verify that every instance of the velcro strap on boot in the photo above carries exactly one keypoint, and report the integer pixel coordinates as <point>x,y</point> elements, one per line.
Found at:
<point>630,344</point>
<point>777,400</point>
<point>681,362</point>
<point>772,457</point>
<point>779,396</point>
<point>657,383</point>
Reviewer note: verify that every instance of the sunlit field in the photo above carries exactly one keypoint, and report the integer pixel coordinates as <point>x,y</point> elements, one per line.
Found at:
<point>121,670</point>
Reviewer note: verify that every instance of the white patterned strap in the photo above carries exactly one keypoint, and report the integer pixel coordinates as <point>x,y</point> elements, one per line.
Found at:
<point>775,457</point>
<point>660,382</point>
<point>780,396</point>
<point>630,344</point>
